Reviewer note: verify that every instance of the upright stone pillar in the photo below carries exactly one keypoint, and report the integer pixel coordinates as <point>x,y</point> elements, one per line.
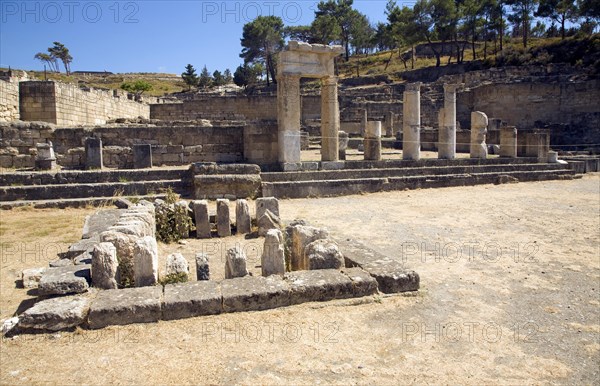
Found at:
<point>373,141</point>
<point>223,220</point>
<point>479,123</point>
<point>93,153</point>
<point>45,158</point>
<point>363,122</point>
<point>142,156</point>
<point>508,141</point>
<point>288,118</point>
<point>389,124</point>
<point>330,119</point>
<point>537,145</point>
<point>447,123</point>
<point>202,219</point>
<point>411,122</point>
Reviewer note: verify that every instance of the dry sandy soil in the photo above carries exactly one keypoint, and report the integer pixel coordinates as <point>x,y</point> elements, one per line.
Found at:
<point>510,281</point>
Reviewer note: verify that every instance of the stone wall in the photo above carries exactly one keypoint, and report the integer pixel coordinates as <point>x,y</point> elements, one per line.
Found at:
<point>171,145</point>
<point>67,104</point>
<point>9,101</point>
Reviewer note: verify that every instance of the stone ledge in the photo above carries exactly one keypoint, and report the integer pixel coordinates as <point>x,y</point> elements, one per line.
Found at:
<point>65,280</point>
<point>125,306</point>
<point>56,314</point>
<point>251,293</point>
<point>195,298</point>
<point>318,285</point>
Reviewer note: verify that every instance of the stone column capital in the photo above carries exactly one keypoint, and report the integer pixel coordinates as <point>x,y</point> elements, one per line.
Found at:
<point>449,87</point>
<point>329,81</point>
<point>413,87</point>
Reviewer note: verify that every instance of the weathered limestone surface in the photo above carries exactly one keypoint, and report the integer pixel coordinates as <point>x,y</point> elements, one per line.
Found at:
<point>266,203</point>
<point>479,123</point>
<point>235,263</point>
<point>125,306</point>
<point>93,153</point>
<point>104,266</point>
<point>363,284</point>
<point>318,285</point>
<point>508,141</point>
<point>31,277</point>
<point>202,219</point>
<point>302,235</point>
<point>411,124</point>
<point>254,293</point>
<point>195,298</point>
<point>226,185</point>
<point>288,117</point>
<point>56,314</point>
<point>323,254</point>
<point>45,159</point>
<point>202,267</point>
<point>145,262</point>
<point>372,141</point>
<point>537,145</point>
<point>142,156</point>
<point>447,124</point>
<point>100,221</point>
<point>330,119</point>
<point>273,255</point>
<point>267,222</point>
<point>65,280</point>
<point>177,264</point>
<point>223,220</point>
<point>125,246</point>
<point>242,217</point>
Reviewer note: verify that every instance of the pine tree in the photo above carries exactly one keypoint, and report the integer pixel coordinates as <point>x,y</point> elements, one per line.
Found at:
<point>189,76</point>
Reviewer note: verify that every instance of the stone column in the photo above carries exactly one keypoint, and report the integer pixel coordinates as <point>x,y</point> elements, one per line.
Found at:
<point>344,138</point>
<point>288,118</point>
<point>93,153</point>
<point>330,119</point>
<point>373,141</point>
<point>479,123</point>
<point>537,145</point>
<point>508,141</point>
<point>411,122</point>
<point>45,158</point>
<point>389,124</point>
<point>223,220</point>
<point>447,123</point>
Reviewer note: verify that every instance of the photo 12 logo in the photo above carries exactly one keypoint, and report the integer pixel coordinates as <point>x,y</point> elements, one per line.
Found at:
<point>247,11</point>
<point>69,11</point>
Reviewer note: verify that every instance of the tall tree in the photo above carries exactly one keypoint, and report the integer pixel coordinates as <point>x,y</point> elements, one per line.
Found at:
<point>522,15</point>
<point>61,52</point>
<point>205,80</point>
<point>218,78</point>
<point>247,75</point>
<point>262,38</point>
<point>404,29</point>
<point>560,11</point>
<point>345,17</point>
<point>227,75</point>
<point>325,30</point>
<point>48,59</point>
<point>435,20</point>
<point>190,77</point>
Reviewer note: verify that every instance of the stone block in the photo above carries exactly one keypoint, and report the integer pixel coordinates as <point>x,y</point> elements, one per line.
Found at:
<point>372,149</point>
<point>125,306</point>
<point>363,284</point>
<point>104,266</point>
<point>318,285</point>
<point>56,314</point>
<point>142,156</point>
<point>65,280</point>
<point>100,222</point>
<point>202,219</point>
<point>195,298</point>
<point>31,277</point>
<point>393,277</point>
<point>93,153</point>
<point>332,165</point>
<point>215,186</point>
<point>223,219</point>
<point>302,235</point>
<point>177,264</point>
<point>273,255</point>
<point>266,203</point>
<point>254,293</point>
<point>235,263</point>
<point>267,222</point>
<point>242,217</point>
<point>145,262</point>
<point>323,254</point>
<point>202,267</point>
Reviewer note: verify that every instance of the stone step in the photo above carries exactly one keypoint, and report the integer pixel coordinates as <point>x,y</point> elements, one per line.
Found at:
<point>85,190</point>
<point>90,176</point>
<point>341,187</point>
<point>402,172</point>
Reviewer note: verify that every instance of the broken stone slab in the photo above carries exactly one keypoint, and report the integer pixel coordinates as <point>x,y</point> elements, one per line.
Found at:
<point>80,247</point>
<point>56,314</point>
<point>31,277</point>
<point>9,324</point>
<point>100,221</point>
<point>105,266</point>
<point>60,263</point>
<point>393,277</point>
<point>363,284</point>
<point>202,267</point>
<point>125,306</point>
<point>318,285</point>
<point>268,221</point>
<point>242,217</point>
<point>84,258</point>
<point>202,217</point>
<point>323,254</point>
<point>145,262</point>
<point>125,245</point>
<point>302,235</point>
<point>266,203</point>
<point>122,203</point>
<point>254,293</point>
<point>223,220</point>
<point>177,264</point>
<point>273,255</point>
<point>235,263</point>
<point>65,280</point>
<point>195,298</point>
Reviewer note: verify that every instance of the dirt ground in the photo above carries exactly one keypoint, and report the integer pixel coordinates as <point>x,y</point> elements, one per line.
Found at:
<point>510,281</point>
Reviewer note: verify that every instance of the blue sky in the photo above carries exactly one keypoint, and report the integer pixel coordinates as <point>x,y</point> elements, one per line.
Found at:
<point>143,36</point>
